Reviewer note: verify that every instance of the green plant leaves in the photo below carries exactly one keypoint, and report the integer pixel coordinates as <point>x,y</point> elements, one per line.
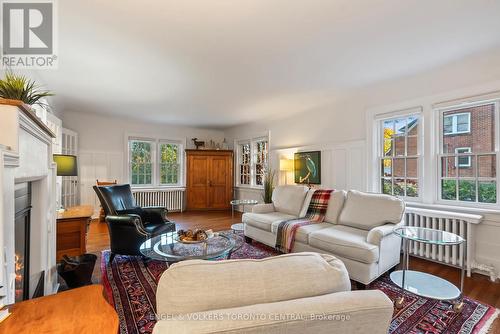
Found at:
<point>19,87</point>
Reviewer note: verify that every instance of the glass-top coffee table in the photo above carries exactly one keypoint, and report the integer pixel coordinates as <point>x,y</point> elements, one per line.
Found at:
<point>423,284</point>
<point>166,247</point>
<point>242,202</point>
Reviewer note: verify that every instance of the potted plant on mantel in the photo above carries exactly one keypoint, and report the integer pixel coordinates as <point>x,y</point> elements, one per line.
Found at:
<point>20,92</point>
<point>17,89</point>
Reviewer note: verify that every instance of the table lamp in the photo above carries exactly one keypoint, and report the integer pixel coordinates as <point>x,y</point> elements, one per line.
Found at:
<point>286,166</point>
<point>66,165</point>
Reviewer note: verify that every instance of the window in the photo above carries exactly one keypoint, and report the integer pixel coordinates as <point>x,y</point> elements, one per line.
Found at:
<point>260,161</point>
<point>252,161</point>
<point>169,163</point>
<point>399,158</point>
<point>456,123</point>
<point>244,163</point>
<point>468,154</point>
<point>141,165</point>
<point>154,162</point>
<point>463,161</point>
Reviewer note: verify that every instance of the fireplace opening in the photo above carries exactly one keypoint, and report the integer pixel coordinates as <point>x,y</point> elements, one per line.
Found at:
<point>22,240</point>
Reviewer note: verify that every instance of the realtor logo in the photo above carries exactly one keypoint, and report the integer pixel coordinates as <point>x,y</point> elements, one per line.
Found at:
<point>28,34</point>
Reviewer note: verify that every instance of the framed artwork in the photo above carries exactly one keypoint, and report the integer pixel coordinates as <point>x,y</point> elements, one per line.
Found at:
<point>307,167</point>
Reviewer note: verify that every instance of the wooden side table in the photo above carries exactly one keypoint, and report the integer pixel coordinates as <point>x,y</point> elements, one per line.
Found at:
<point>82,310</point>
<point>72,225</point>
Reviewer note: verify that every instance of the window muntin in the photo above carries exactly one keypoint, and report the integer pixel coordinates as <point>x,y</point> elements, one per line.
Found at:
<point>468,158</point>
<point>456,123</point>
<point>169,163</point>
<point>253,155</point>
<point>399,161</point>
<point>141,162</point>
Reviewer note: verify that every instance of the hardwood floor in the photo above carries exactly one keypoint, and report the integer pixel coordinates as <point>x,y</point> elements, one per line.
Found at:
<point>478,287</point>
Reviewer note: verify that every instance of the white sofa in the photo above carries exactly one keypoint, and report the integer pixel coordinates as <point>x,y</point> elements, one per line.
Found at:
<point>295,294</point>
<point>357,228</point>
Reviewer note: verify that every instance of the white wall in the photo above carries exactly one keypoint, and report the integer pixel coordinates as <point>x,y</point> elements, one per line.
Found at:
<point>343,119</point>
<point>339,129</point>
<point>102,145</point>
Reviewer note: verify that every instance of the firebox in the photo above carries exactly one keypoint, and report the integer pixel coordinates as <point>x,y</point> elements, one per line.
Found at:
<point>22,240</point>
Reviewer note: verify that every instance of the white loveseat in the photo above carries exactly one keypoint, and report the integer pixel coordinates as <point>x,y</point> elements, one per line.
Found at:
<point>357,228</point>
<point>304,293</point>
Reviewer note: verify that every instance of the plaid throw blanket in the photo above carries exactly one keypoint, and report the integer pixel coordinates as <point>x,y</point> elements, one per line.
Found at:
<point>316,211</point>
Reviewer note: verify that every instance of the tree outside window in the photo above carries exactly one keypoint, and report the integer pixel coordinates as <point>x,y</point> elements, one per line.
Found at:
<point>140,162</point>
<point>399,159</point>
<point>169,163</point>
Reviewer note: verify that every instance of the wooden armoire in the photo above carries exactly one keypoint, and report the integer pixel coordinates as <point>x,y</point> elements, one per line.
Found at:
<point>209,179</point>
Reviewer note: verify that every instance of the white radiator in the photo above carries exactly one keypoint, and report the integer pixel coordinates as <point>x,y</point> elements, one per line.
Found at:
<point>172,199</point>
<point>458,223</point>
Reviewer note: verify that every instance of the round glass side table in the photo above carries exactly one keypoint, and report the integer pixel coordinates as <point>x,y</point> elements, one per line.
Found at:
<point>243,202</point>
<point>423,284</point>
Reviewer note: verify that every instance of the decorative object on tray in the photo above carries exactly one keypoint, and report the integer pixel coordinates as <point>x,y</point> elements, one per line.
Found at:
<point>194,236</point>
<point>307,166</point>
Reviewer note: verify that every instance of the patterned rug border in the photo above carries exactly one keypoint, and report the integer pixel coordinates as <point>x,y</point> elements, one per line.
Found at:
<point>485,324</point>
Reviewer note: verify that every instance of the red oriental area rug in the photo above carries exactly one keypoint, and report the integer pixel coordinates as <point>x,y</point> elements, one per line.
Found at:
<point>130,283</point>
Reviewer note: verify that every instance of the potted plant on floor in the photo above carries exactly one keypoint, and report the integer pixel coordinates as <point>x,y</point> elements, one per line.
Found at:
<point>269,183</point>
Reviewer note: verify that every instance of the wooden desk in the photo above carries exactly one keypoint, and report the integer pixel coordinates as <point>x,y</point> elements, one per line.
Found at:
<point>82,310</point>
<point>71,236</point>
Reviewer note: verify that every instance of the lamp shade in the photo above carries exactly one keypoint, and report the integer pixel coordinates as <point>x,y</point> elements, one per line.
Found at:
<point>286,165</point>
<point>66,165</point>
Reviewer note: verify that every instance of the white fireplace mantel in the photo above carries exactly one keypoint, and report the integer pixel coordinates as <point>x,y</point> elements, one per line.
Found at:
<point>26,156</point>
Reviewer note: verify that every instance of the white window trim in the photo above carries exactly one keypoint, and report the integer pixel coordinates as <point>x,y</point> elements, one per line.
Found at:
<point>155,177</point>
<point>438,120</point>
<point>252,141</point>
<point>454,124</point>
<point>377,123</point>
<point>469,159</point>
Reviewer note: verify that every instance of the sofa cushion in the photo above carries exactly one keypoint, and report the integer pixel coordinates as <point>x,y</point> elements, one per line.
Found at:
<point>289,199</point>
<point>345,241</point>
<point>303,232</point>
<point>264,221</point>
<point>335,205</point>
<point>232,283</point>
<point>366,211</point>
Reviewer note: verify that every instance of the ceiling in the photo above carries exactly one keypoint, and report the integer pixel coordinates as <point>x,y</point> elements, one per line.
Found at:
<point>214,63</point>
